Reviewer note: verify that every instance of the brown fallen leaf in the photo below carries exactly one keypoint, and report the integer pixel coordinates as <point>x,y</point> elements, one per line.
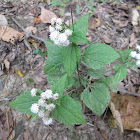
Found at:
<point>3,20</point>
<point>126,111</point>
<point>9,34</point>
<point>93,23</point>
<point>135,16</point>
<point>31,29</point>
<point>46,15</point>
<point>7,64</point>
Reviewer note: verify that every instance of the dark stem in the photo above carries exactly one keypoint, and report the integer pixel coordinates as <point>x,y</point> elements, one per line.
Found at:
<point>72,17</point>
<point>78,74</point>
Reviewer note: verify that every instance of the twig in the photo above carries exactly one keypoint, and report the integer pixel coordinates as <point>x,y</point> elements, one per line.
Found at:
<point>129,93</point>
<point>9,11</point>
<point>28,34</point>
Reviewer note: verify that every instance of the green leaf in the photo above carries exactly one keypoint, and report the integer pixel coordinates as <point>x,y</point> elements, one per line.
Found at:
<point>68,111</point>
<point>23,102</point>
<point>78,9</point>
<point>121,73</point>
<point>80,30</point>
<point>53,63</point>
<point>69,59</point>
<point>98,99</point>
<point>96,73</point>
<point>132,65</point>
<point>60,85</point>
<point>125,55</point>
<point>97,55</point>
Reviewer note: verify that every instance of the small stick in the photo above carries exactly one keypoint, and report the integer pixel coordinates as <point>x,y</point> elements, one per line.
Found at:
<point>28,34</point>
<point>9,11</point>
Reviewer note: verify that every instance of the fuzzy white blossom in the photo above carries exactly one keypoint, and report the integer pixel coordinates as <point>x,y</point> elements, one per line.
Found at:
<point>49,94</point>
<point>58,27</point>
<point>41,113</point>
<point>50,107</point>
<point>138,63</point>
<point>43,95</point>
<point>68,32</point>
<point>138,47</point>
<point>138,56</point>
<point>34,108</point>
<point>51,29</point>
<point>33,92</point>
<point>56,42</point>
<point>55,96</point>
<point>58,21</point>
<point>53,20</point>
<point>62,38</point>
<point>54,35</point>
<point>41,102</point>
<point>133,54</point>
<point>47,121</point>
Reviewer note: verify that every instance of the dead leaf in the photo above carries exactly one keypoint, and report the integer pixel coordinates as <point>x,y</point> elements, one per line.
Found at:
<point>19,73</point>
<point>135,16</point>
<point>133,40</point>
<point>126,111</point>
<point>37,20</point>
<point>28,116</point>
<point>93,23</point>
<point>31,29</point>
<point>46,15</point>
<point>9,34</point>
<point>7,64</point>
<point>3,20</point>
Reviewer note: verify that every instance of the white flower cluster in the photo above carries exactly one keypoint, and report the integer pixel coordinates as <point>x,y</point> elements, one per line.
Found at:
<point>58,34</point>
<point>136,55</point>
<point>45,105</point>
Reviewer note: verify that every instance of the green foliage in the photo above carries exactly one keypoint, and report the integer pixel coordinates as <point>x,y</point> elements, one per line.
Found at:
<point>68,111</point>
<point>23,102</point>
<point>80,30</point>
<point>121,73</point>
<point>53,63</point>
<point>96,73</point>
<point>97,99</point>
<point>97,55</point>
<point>60,85</point>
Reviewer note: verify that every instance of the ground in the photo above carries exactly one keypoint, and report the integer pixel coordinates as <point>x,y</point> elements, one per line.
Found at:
<point>111,24</point>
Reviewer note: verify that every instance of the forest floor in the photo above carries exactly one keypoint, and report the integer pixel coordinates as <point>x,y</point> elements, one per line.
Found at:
<point>22,67</point>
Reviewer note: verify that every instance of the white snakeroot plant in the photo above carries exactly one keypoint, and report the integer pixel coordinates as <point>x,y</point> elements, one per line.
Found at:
<point>76,75</point>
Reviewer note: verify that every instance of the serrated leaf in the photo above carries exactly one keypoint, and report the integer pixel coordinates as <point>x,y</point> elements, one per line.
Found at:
<point>80,30</point>
<point>60,85</point>
<point>23,102</point>
<point>98,99</point>
<point>97,55</point>
<point>95,74</point>
<point>120,74</point>
<point>69,59</point>
<point>53,63</point>
<point>68,111</point>
<point>125,55</point>
<point>132,65</point>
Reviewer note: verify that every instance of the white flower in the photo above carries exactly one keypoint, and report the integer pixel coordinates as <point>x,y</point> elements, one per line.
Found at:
<point>43,95</point>
<point>62,38</point>
<point>54,35</point>
<point>56,42</point>
<point>41,102</point>
<point>51,29</point>
<point>34,108</point>
<point>68,32</point>
<point>58,21</point>
<point>138,63</point>
<point>138,56</point>
<point>58,27</point>
<point>50,107</point>
<point>47,121</point>
<point>55,96</point>
<point>49,94</point>
<point>53,20</point>
<point>133,54</point>
<point>41,113</point>
<point>138,47</point>
<point>66,43</point>
<point>33,92</point>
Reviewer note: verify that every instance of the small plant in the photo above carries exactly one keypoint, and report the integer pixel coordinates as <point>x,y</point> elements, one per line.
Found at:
<point>75,75</point>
